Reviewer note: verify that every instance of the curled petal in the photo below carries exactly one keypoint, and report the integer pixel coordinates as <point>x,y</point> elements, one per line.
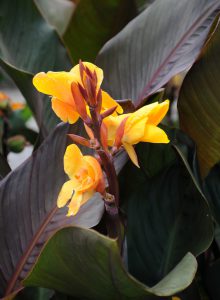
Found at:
<point>108,102</point>
<point>132,154</point>
<point>65,193</point>
<point>56,84</point>
<point>158,113</point>
<point>77,201</point>
<point>134,130</point>
<point>64,111</point>
<point>154,134</point>
<point>73,160</point>
<point>96,171</point>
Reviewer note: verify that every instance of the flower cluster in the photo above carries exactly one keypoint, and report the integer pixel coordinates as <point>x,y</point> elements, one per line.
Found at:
<point>78,94</point>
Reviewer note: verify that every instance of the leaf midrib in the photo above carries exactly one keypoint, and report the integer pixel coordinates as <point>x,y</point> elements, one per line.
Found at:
<point>197,23</point>
<point>29,249</point>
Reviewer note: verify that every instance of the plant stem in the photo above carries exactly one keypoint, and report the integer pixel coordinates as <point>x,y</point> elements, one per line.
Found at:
<point>113,222</point>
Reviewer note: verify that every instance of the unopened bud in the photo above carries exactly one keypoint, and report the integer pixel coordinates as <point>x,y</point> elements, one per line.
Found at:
<point>80,140</point>
<point>16,143</point>
<point>119,133</point>
<point>108,112</point>
<point>79,101</point>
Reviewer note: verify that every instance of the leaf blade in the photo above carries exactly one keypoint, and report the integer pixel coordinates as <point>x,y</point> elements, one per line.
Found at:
<point>154,63</point>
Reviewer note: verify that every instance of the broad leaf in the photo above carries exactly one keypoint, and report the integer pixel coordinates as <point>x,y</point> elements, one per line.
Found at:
<point>199,104</point>
<point>39,51</point>
<point>212,189</point>
<point>93,23</point>
<point>212,280</point>
<point>23,54</point>
<point>167,215</point>
<point>58,13</point>
<point>155,46</point>
<point>29,214</point>
<point>38,103</point>
<point>87,265</point>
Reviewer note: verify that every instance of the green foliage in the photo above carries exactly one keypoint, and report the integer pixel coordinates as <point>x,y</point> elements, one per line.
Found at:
<point>167,216</point>
<point>97,21</point>
<point>199,107</point>
<point>87,265</point>
<point>155,47</point>
<point>34,195</point>
<point>168,208</point>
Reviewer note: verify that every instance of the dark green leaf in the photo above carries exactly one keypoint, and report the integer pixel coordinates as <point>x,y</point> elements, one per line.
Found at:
<point>4,167</point>
<point>167,215</point>
<point>39,51</point>
<point>93,23</point>
<point>156,45</point>
<point>34,294</point>
<point>212,280</point>
<point>29,45</point>
<point>199,105</point>
<point>212,189</point>
<point>29,215</point>
<point>87,265</point>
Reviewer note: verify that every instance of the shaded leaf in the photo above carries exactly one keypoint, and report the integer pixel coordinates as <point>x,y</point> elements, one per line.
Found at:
<point>212,280</point>
<point>167,215</point>
<point>93,23</point>
<point>87,265</point>
<point>139,60</point>
<point>16,21</point>
<point>199,105</point>
<point>38,103</point>
<point>21,60</point>
<point>29,215</point>
<point>58,13</point>
<point>34,294</point>
<point>212,189</point>
<point>4,167</point>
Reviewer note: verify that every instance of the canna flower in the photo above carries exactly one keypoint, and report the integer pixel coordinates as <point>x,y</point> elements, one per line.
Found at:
<point>86,178</point>
<point>140,126</point>
<point>69,90</point>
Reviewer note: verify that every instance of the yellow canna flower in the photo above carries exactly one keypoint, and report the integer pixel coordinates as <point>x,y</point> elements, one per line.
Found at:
<point>86,178</point>
<point>140,126</point>
<point>58,85</point>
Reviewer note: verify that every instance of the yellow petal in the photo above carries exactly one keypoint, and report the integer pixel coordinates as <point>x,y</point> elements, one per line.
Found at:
<point>154,134</point>
<point>74,205</point>
<point>57,84</point>
<point>94,170</point>
<point>65,193</point>
<point>64,111</point>
<point>112,123</point>
<point>158,113</point>
<point>73,160</point>
<point>109,102</point>
<point>132,154</point>
<point>92,68</point>
<point>133,134</point>
<point>77,201</point>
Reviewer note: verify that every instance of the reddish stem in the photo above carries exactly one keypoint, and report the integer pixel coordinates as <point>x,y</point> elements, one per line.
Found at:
<point>114,224</point>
